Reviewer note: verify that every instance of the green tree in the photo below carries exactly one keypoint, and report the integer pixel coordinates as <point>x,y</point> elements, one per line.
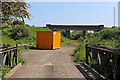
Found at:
<point>12,11</point>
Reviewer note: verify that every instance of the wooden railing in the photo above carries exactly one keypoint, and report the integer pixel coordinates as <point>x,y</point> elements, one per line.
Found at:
<point>8,55</point>
<point>104,60</point>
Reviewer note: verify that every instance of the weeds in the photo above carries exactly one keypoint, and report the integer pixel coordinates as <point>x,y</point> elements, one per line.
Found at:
<point>5,69</point>
<point>20,60</point>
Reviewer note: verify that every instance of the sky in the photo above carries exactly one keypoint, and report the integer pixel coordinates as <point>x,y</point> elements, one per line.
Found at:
<point>74,13</point>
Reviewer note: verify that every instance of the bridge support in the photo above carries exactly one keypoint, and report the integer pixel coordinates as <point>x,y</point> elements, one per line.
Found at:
<point>68,34</point>
<point>84,33</point>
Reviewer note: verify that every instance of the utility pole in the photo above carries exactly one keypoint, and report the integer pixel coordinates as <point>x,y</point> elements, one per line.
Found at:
<point>119,14</point>
<point>114,16</point>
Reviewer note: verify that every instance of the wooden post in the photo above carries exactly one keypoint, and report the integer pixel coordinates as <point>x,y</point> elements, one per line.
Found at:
<point>16,55</point>
<point>116,68</point>
<point>10,58</point>
<point>86,53</point>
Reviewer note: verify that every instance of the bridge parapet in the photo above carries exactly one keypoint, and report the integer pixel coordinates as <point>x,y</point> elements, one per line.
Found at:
<point>104,60</point>
<point>8,55</point>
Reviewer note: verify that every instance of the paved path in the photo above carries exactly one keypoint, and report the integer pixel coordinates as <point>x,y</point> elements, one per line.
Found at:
<point>48,64</point>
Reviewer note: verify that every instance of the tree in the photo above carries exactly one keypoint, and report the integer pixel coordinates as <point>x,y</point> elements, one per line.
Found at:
<point>12,11</point>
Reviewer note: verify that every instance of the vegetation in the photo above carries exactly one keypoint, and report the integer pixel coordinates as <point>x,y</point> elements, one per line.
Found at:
<point>8,33</point>
<point>75,35</point>
<point>65,41</point>
<point>5,70</point>
<point>20,31</point>
<point>18,22</point>
<point>30,38</point>
<point>108,37</point>
<point>14,30</point>
<point>20,60</point>
<point>14,10</point>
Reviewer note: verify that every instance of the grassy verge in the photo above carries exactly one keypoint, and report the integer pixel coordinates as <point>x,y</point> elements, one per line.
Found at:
<point>64,41</point>
<point>20,50</point>
<point>79,53</point>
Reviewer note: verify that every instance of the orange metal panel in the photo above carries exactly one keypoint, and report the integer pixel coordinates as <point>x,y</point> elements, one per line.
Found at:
<point>44,40</point>
<point>48,39</point>
<point>56,40</point>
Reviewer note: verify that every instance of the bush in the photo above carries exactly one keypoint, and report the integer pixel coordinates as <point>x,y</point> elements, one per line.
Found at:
<point>20,31</point>
<point>81,39</point>
<point>108,33</point>
<point>76,35</point>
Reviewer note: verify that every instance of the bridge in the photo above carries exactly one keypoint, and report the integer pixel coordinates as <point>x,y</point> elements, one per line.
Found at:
<point>75,27</point>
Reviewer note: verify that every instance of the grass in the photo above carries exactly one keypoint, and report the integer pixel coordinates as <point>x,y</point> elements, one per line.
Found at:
<point>102,38</point>
<point>34,29</point>
<point>31,40</point>
<point>5,70</point>
<point>21,60</point>
<point>79,53</point>
<point>6,39</point>
<point>64,41</point>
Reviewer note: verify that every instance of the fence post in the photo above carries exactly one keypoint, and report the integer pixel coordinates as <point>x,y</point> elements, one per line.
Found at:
<point>116,68</point>
<point>16,54</point>
<point>86,46</point>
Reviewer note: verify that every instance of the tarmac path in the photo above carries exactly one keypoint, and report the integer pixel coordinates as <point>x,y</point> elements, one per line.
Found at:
<point>48,64</point>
